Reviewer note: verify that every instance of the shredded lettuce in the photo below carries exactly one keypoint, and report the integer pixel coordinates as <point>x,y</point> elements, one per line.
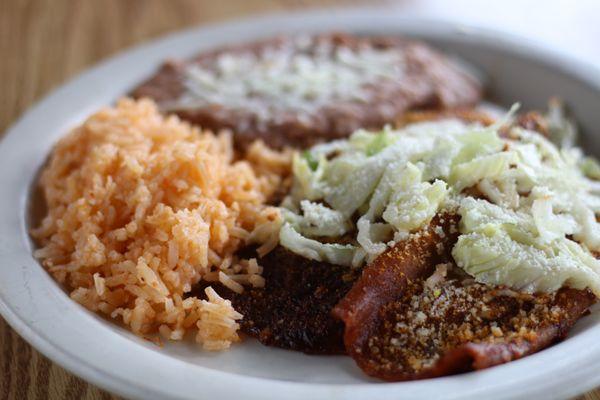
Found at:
<point>414,202</point>
<point>307,177</point>
<point>437,163</point>
<point>563,131</point>
<point>372,144</point>
<point>497,259</point>
<point>477,143</point>
<point>589,232</point>
<point>538,228</point>
<point>371,239</point>
<point>550,226</point>
<point>528,208</point>
<point>318,220</point>
<point>356,187</point>
<point>314,250</point>
<point>469,173</point>
<point>524,251</point>
<point>311,161</point>
<point>394,175</point>
<point>590,168</point>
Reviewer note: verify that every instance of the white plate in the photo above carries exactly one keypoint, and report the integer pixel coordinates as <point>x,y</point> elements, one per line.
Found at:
<point>112,358</point>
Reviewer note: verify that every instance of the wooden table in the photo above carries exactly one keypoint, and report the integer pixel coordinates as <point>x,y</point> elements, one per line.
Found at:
<point>45,42</point>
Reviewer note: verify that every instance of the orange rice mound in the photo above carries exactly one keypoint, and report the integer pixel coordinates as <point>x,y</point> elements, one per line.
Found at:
<point>141,207</point>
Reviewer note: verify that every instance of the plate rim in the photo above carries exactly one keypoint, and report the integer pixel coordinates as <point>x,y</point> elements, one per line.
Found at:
<point>81,366</point>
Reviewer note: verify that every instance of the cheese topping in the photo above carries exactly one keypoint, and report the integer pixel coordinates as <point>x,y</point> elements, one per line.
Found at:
<point>299,76</point>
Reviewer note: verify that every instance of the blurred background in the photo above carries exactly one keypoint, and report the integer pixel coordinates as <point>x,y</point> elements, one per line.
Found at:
<point>45,42</point>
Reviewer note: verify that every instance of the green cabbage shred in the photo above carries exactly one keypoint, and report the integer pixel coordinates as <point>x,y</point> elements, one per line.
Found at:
<point>528,208</point>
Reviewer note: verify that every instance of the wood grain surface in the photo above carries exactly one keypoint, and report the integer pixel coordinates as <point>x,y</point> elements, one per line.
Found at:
<point>45,42</point>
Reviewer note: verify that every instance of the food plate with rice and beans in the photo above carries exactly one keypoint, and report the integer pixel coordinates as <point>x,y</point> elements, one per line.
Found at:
<point>293,210</point>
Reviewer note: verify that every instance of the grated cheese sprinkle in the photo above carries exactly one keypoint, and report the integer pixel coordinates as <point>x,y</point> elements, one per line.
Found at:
<point>300,75</point>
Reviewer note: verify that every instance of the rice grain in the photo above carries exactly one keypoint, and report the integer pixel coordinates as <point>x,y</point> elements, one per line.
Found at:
<point>141,207</point>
